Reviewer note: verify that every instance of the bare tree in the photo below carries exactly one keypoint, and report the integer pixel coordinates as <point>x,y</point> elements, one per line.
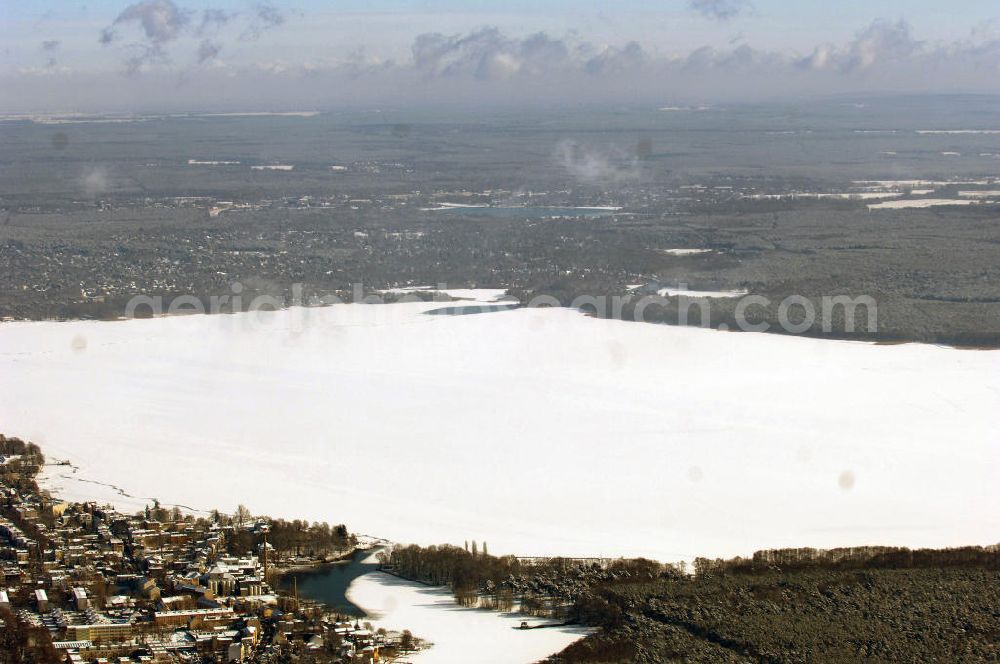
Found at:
<point>242,515</point>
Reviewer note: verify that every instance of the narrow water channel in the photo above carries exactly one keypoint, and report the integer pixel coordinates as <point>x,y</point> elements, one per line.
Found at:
<point>329,584</point>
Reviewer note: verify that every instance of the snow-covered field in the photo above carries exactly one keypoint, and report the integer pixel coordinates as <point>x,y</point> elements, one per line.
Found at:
<point>541,431</point>
<point>904,184</point>
<point>687,292</point>
<point>686,252</point>
<point>958,131</point>
<point>990,193</point>
<point>846,195</point>
<point>458,635</point>
<point>919,203</point>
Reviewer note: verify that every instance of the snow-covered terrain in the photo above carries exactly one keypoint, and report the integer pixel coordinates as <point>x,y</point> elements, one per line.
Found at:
<point>687,292</point>
<point>69,483</point>
<point>919,203</point>
<point>541,431</point>
<point>847,195</point>
<point>686,252</point>
<point>458,635</point>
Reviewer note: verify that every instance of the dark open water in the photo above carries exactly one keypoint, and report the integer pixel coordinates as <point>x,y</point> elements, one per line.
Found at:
<point>329,584</point>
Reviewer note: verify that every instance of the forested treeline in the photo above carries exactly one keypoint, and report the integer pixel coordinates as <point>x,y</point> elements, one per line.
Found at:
<point>795,616</point>
<point>450,565</point>
<point>479,579</point>
<point>288,538</point>
<point>855,558</point>
<point>19,473</point>
<point>881,604</point>
<point>12,446</point>
<point>302,538</point>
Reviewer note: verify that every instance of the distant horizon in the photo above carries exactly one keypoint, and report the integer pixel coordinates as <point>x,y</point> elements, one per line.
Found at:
<point>681,106</point>
<point>158,54</point>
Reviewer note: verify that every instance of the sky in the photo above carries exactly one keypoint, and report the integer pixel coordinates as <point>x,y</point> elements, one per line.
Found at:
<point>269,55</point>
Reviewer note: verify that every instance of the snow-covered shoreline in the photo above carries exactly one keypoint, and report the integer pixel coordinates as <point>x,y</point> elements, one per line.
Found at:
<point>457,634</point>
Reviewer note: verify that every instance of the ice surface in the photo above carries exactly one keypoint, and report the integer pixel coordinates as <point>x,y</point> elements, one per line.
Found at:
<point>541,431</point>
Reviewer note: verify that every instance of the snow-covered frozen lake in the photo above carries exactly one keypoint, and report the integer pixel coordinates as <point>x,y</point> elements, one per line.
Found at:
<point>540,431</point>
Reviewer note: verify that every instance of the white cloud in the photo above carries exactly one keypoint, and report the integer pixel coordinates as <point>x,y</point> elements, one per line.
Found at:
<point>487,54</point>
<point>879,43</point>
<point>161,23</point>
<point>489,65</point>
